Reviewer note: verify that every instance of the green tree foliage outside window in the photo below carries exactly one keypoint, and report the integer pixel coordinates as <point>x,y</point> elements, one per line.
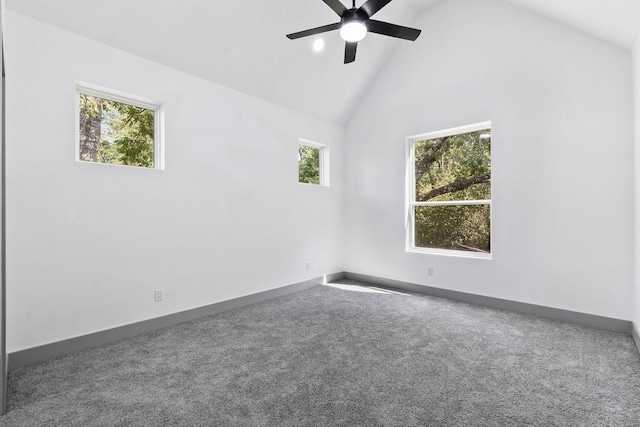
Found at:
<point>115,132</point>
<point>308,165</point>
<point>453,178</point>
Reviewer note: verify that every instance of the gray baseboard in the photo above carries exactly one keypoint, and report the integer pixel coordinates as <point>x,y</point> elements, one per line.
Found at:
<point>61,348</point>
<point>590,320</point>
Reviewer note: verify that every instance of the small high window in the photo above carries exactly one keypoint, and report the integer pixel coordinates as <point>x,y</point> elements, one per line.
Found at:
<point>449,191</point>
<point>313,163</point>
<point>118,129</point>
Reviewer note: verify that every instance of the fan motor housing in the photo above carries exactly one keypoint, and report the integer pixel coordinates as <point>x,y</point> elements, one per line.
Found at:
<point>354,14</point>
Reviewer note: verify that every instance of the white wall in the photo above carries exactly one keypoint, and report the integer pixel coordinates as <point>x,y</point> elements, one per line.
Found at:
<point>561,106</point>
<point>89,243</point>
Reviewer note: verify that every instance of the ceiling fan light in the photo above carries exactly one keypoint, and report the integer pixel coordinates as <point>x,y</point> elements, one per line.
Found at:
<point>353,31</point>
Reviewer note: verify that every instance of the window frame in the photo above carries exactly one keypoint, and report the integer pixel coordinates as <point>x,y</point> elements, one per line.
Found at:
<point>323,158</point>
<point>410,192</point>
<point>124,98</point>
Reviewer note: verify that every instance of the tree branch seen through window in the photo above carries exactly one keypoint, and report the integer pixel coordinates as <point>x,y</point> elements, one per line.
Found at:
<point>451,209</point>
<point>115,132</point>
<point>308,165</point>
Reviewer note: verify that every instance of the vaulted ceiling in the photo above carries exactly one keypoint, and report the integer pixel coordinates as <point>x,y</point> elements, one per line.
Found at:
<point>242,44</point>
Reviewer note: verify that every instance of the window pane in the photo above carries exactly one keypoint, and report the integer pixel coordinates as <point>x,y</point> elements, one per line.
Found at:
<point>463,228</point>
<point>115,132</point>
<point>454,167</point>
<point>308,165</point>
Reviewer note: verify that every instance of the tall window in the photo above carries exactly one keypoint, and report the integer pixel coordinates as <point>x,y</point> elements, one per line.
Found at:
<point>118,129</point>
<point>313,163</point>
<point>449,191</point>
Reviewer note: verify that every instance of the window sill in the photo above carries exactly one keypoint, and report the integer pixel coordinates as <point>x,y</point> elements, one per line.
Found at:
<point>450,252</point>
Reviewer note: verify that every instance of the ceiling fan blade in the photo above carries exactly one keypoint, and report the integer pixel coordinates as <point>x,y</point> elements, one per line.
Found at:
<point>336,5</point>
<point>392,30</point>
<point>313,31</point>
<point>372,6</point>
<point>350,52</point>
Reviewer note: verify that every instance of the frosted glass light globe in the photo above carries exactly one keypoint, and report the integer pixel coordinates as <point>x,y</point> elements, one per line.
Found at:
<point>353,31</point>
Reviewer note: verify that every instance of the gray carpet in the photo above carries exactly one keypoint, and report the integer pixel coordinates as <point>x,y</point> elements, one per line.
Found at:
<point>342,357</point>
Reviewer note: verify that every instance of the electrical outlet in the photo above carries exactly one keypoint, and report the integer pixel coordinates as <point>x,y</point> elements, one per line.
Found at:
<point>308,265</point>
<point>430,271</point>
<point>158,295</point>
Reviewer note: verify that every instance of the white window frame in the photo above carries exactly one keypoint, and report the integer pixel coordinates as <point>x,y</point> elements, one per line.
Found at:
<point>125,98</point>
<point>411,203</point>
<point>323,156</point>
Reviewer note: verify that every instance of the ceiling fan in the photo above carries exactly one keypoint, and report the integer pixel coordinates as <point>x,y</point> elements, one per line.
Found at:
<point>354,24</point>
